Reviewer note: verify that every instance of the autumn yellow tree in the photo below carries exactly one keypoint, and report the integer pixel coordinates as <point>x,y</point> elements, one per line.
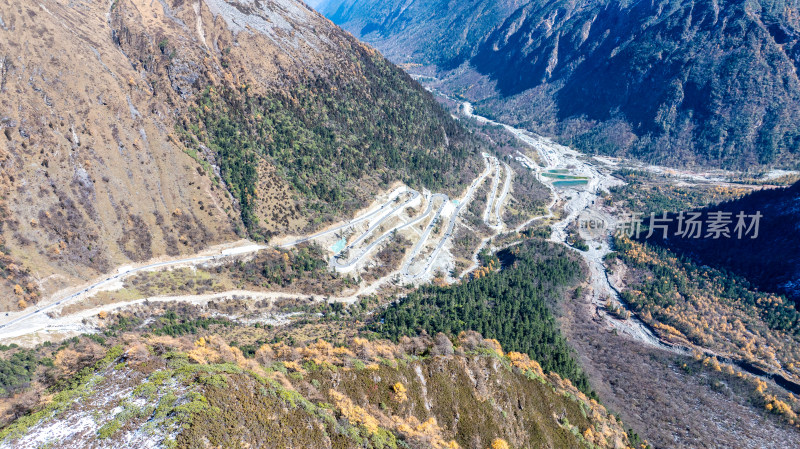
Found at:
<point>499,443</point>
<point>400,392</point>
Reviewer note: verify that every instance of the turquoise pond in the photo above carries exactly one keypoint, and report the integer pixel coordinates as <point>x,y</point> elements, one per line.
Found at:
<point>339,246</point>
<point>576,182</point>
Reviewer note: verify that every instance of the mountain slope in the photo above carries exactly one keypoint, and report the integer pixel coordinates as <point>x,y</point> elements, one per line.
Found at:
<point>676,82</point>
<point>430,31</point>
<point>172,392</point>
<point>771,261</point>
<point>134,129</point>
<point>88,160</point>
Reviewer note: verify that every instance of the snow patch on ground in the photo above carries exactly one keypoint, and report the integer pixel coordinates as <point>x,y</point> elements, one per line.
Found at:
<point>76,426</point>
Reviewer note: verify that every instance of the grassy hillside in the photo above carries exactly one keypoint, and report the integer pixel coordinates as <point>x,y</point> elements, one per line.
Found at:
<point>90,177</point>
<point>195,389</point>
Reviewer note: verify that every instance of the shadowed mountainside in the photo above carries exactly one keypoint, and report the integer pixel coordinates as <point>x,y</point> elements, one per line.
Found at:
<point>673,82</point>
<point>771,261</point>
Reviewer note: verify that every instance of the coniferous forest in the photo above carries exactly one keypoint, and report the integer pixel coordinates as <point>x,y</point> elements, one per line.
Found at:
<point>511,306</point>
<point>328,134</point>
<point>770,260</point>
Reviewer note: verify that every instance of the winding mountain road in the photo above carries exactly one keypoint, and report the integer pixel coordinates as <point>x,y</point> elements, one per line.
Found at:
<point>357,220</point>
<point>126,273</point>
<point>582,199</point>
<point>335,261</point>
<point>17,323</point>
<point>451,225</point>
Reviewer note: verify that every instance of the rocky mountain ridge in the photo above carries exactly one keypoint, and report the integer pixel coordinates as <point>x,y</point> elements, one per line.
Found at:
<point>168,391</point>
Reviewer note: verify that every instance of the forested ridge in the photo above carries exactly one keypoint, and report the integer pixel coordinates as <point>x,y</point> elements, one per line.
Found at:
<point>335,136</point>
<point>511,305</point>
<point>770,261</point>
<point>179,379</point>
<point>715,309</point>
